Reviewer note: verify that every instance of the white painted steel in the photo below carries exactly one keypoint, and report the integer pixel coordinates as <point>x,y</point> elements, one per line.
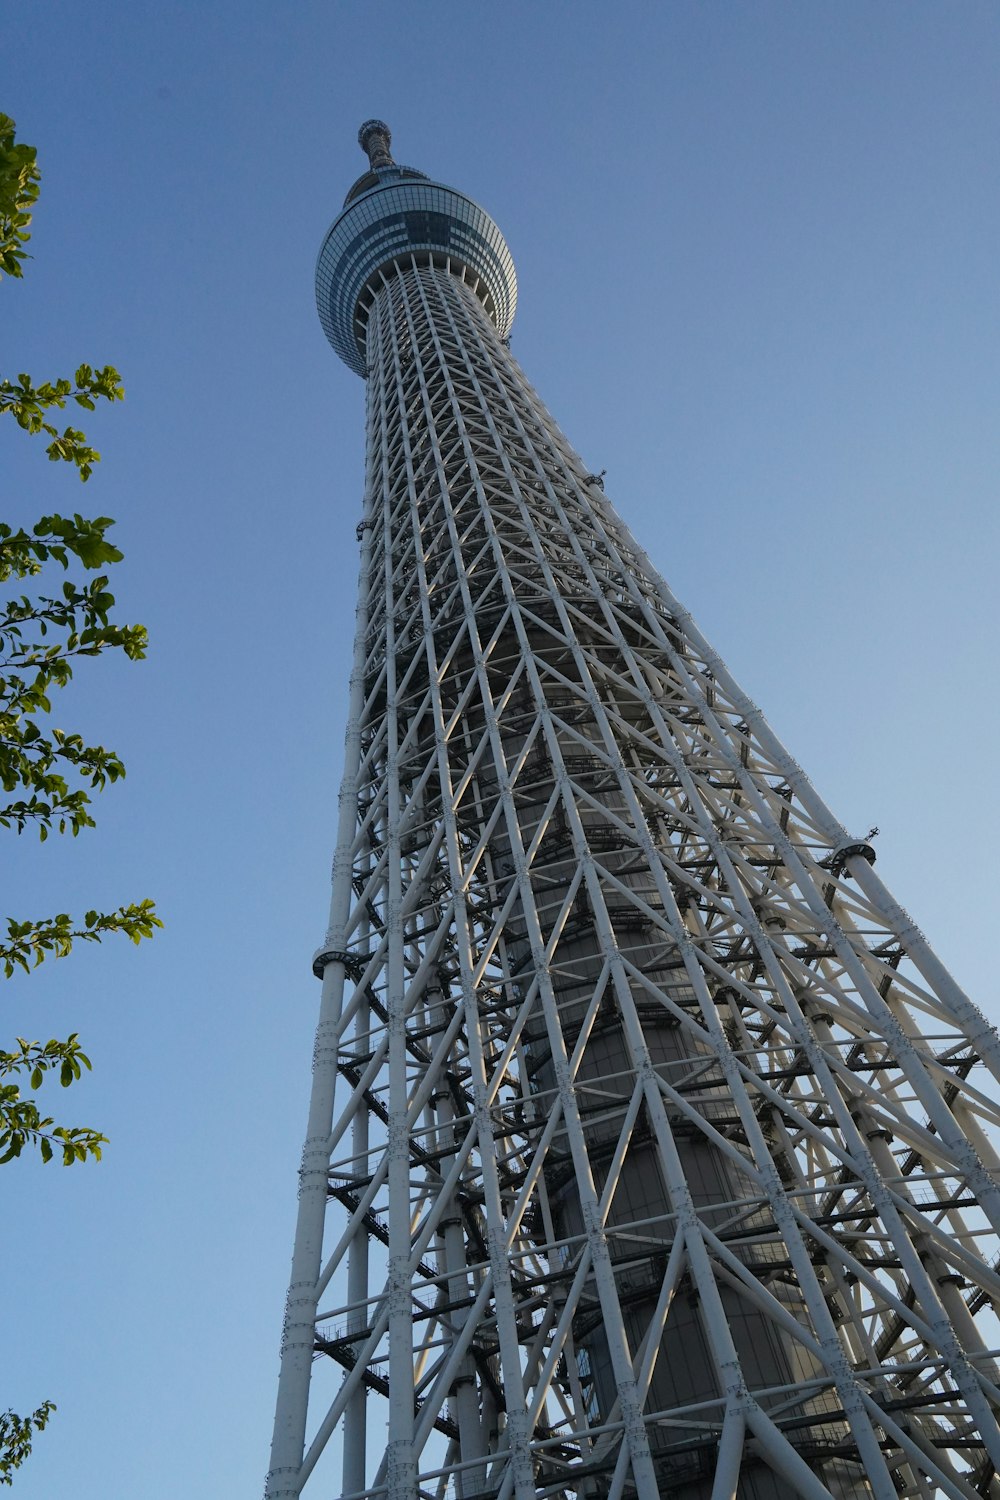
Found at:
<point>664,1158</point>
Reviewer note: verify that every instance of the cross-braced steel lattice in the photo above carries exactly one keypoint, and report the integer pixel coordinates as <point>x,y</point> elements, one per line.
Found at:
<point>661,1162</point>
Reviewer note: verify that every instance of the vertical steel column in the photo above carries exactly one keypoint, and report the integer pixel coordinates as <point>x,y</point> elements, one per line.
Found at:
<point>298,1341</point>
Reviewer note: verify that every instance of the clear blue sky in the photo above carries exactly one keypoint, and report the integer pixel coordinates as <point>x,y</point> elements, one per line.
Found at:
<point>757,246</point>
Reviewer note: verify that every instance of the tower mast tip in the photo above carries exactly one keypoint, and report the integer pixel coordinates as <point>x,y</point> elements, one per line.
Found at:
<point>375,138</point>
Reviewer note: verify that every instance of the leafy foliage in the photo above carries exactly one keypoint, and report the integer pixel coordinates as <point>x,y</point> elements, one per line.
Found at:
<point>22,1123</point>
<point>27,404</point>
<point>46,773</point>
<point>40,640</point>
<point>22,553</point>
<point>49,775</point>
<point>19,178</point>
<point>29,942</point>
<point>16,1434</point>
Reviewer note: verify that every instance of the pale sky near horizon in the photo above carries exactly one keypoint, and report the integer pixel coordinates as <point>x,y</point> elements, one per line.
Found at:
<point>757,253</point>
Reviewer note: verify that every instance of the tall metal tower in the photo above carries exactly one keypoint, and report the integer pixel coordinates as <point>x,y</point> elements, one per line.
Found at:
<point>660,1163</point>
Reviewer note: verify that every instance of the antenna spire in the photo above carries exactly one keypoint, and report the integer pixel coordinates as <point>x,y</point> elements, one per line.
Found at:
<point>375,138</point>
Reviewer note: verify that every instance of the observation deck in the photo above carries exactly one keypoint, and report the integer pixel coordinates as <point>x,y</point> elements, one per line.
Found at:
<point>391,214</point>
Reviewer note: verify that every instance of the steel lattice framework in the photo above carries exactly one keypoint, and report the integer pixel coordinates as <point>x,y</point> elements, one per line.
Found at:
<point>661,1163</point>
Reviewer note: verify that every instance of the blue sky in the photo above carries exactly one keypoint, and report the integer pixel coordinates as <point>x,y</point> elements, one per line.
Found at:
<point>757,253</point>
